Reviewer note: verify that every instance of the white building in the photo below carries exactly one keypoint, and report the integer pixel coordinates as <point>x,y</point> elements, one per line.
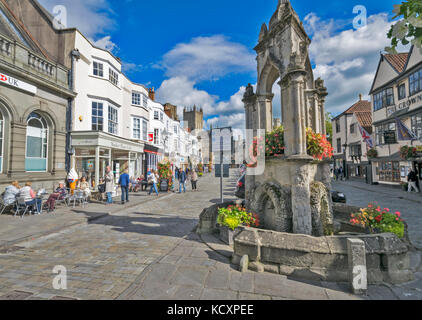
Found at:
<point>110,118</point>
<point>397,95</point>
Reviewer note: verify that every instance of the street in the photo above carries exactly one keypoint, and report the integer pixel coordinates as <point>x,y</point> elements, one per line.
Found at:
<point>146,252</point>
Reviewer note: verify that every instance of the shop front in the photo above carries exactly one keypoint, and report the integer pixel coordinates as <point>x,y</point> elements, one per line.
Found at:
<point>153,156</point>
<point>391,170</point>
<point>94,151</point>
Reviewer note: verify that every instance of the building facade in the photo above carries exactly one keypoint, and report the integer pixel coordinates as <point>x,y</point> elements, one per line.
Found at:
<point>34,99</point>
<point>350,149</point>
<point>397,98</point>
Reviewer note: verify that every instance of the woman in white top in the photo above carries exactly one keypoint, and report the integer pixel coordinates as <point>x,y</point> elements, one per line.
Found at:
<point>153,178</point>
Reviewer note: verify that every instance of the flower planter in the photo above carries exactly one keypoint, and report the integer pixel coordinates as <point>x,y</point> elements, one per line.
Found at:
<point>227,235</point>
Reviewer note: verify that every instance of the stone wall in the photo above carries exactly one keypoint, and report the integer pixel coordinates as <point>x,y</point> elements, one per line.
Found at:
<point>322,258</point>
<point>208,218</point>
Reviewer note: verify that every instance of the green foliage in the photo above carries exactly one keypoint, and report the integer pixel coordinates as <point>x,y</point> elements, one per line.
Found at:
<point>274,142</point>
<point>372,153</point>
<point>409,28</point>
<point>236,216</point>
<point>165,172</point>
<point>329,126</point>
<point>378,220</point>
<point>407,152</point>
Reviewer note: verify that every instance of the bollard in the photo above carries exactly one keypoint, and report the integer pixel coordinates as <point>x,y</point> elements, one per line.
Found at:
<point>358,276</point>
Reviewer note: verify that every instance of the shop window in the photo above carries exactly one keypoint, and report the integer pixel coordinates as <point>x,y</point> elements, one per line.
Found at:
<point>415,82</point>
<point>389,171</point>
<point>112,120</point>
<point>36,143</point>
<point>97,116</point>
<point>136,133</point>
<point>417,125</point>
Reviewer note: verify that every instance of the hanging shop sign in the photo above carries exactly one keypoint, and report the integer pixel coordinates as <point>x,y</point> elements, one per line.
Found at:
<point>8,80</point>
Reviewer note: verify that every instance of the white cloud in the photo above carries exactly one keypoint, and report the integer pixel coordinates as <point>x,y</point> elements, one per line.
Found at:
<point>207,58</point>
<point>94,18</point>
<point>346,60</point>
<point>105,43</point>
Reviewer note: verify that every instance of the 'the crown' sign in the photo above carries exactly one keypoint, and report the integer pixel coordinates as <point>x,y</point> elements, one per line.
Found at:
<point>8,80</point>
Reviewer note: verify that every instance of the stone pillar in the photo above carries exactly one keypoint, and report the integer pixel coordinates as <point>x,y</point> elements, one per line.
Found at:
<point>301,195</point>
<point>265,104</point>
<point>293,111</point>
<point>358,276</point>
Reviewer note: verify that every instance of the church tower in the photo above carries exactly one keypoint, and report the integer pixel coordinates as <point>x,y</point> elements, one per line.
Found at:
<point>193,118</point>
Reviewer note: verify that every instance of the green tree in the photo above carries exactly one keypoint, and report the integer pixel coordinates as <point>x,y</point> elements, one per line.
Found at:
<point>409,28</point>
<point>329,126</point>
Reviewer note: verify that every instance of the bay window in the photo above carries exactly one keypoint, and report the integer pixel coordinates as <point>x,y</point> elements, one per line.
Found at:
<point>415,82</point>
<point>136,128</point>
<point>97,116</point>
<point>112,120</point>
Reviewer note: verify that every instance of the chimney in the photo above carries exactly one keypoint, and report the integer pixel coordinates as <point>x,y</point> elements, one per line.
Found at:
<point>151,94</point>
<point>360,96</point>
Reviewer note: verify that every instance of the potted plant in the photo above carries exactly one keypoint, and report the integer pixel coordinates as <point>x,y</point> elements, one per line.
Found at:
<point>407,152</point>
<point>372,153</point>
<point>376,220</point>
<point>405,186</point>
<point>231,219</point>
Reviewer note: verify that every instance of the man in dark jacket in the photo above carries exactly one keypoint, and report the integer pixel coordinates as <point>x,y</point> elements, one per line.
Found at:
<point>182,180</point>
<point>124,182</point>
<point>412,178</point>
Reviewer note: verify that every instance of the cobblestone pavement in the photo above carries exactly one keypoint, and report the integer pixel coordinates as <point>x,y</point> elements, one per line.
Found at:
<point>410,205</point>
<point>148,252</point>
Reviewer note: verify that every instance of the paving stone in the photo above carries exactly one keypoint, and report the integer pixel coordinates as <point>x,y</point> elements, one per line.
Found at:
<point>190,276</point>
<point>299,291</point>
<point>243,282</point>
<point>218,279</point>
<point>407,293</point>
<point>217,294</point>
<point>251,296</point>
<point>188,293</point>
<point>380,293</point>
<point>269,284</point>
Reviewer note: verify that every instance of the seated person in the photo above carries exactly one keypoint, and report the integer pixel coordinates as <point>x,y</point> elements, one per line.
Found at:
<point>30,197</point>
<point>59,194</point>
<point>84,186</point>
<point>9,195</point>
<point>143,182</point>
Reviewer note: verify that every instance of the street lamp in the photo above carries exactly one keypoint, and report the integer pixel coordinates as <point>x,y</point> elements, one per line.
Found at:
<point>345,173</point>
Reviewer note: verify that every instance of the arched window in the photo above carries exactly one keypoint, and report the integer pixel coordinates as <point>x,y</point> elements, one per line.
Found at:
<point>1,141</point>
<point>36,143</point>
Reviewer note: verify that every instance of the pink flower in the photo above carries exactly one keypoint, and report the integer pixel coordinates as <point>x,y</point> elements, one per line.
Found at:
<point>398,214</point>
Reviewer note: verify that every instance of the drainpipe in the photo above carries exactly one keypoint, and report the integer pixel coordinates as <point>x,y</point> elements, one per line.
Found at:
<point>74,55</point>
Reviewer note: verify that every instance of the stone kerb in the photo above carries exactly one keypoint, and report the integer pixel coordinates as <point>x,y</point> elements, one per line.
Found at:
<point>323,258</point>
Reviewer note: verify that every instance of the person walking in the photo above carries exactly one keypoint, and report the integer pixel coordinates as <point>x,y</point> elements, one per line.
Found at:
<point>152,179</point>
<point>124,182</point>
<point>182,180</point>
<point>412,178</point>
<point>194,180</point>
<point>109,181</point>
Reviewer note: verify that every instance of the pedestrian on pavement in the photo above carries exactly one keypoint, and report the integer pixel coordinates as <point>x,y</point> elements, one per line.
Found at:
<point>340,173</point>
<point>194,180</point>
<point>124,182</point>
<point>152,179</point>
<point>109,180</point>
<point>412,178</point>
<point>182,180</point>
<point>336,173</point>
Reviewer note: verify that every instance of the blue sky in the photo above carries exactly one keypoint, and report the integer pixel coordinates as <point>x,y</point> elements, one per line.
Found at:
<point>201,52</point>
